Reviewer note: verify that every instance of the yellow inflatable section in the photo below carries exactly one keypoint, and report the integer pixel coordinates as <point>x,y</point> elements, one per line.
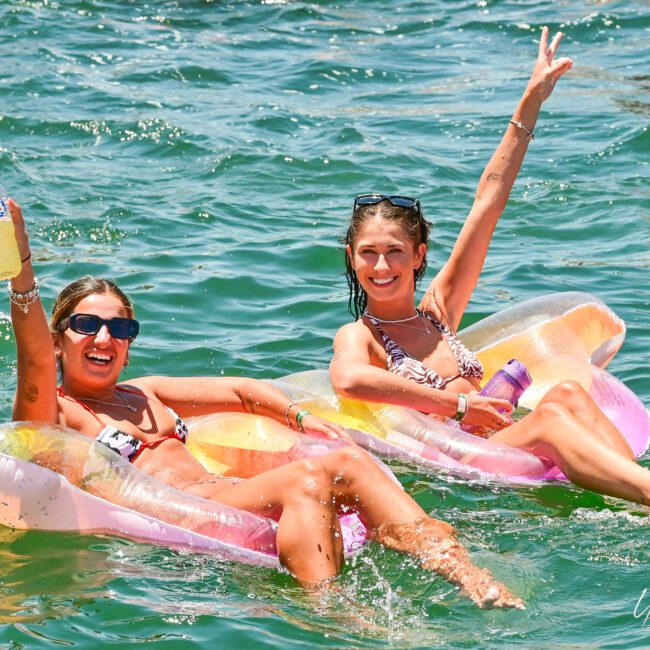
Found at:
<point>558,337</point>
<point>240,445</point>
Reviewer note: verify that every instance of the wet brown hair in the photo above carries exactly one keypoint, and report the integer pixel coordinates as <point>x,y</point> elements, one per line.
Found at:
<point>76,291</point>
<point>410,219</point>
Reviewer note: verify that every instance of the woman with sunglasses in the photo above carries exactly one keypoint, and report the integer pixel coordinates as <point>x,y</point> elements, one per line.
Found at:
<point>90,333</point>
<point>398,354</point>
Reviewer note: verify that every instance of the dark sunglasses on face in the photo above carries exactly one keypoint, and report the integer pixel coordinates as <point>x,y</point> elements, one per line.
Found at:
<point>398,201</point>
<point>90,324</point>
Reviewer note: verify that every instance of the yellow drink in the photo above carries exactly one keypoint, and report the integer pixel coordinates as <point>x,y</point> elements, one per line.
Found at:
<point>10,263</point>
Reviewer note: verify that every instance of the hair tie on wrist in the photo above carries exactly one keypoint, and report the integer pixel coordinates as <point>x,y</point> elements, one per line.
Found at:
<point>26,258</point>
<point>302,414</point>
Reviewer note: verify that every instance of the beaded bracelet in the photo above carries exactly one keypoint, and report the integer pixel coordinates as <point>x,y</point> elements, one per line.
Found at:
<point>24,300</point>
<point>299,417</point>
<point>286,414</point>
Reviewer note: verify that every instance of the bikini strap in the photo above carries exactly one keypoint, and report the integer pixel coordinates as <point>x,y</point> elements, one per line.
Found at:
<point>439,325</point>
<point>124,389</point>
<point>144,445</point>
<point>60,393</point>
<point>468,363</point>
<point>377,325</point>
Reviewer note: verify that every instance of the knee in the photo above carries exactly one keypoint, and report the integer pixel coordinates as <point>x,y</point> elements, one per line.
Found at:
<point>311,480</point>
<point>353,460</point>
<point>568,393</point>
<point>552,411</point>
<point>353,455</point>
<point>549,417</point>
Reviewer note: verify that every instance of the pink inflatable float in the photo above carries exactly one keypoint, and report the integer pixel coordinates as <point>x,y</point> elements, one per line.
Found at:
<point>566,336</point>
<point>56,479</point>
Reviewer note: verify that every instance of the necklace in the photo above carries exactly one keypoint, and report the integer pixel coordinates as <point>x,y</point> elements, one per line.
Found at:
<point>126,405</point>
<point>400,322</point>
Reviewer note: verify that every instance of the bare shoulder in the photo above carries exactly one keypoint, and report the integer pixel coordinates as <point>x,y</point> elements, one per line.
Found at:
<point>146,385</point>
<point>165,388</point>
<point>153,384</point>
<point>206,393</point>
<point>355,333</point>
<point>358,342</point>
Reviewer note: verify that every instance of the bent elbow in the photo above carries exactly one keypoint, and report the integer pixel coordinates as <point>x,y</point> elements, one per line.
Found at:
<point>347,384</point>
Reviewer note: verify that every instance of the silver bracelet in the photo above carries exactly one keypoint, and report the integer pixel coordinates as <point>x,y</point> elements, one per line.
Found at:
<point>24,300</point>
<point>286,414</point>
<point>529,134</point>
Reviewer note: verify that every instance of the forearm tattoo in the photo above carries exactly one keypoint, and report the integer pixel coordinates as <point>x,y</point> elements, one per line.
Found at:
<point>31,393</point>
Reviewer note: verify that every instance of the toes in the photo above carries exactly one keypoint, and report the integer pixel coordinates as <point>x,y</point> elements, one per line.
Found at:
<point>497,596</point>
<point>492,595</point>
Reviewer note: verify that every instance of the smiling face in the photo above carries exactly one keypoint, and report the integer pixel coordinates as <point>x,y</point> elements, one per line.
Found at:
<point>411,232</point>
<point>93,362</point>
<point>384,259</point>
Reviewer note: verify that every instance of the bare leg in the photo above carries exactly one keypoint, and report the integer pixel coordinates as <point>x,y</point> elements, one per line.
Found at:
<point>435,544</point>
<point>552,431</point>
<point>309,492</point>
<point>309,537</point>
<point>573,396</point>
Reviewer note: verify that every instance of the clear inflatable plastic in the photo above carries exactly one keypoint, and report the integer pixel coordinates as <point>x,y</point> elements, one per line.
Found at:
<point>565,336</point>
<point>53,478</point>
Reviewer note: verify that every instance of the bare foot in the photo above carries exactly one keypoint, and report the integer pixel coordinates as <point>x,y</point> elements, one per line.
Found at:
<point>477,583</point>
<point>435,543</point>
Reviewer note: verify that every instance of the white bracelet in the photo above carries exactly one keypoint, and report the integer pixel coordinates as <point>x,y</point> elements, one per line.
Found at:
<point>462,408</point>
<point>24,300</point>
<point>529,134</point>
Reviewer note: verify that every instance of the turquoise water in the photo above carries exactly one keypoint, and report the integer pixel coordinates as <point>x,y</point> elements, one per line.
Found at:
<point>205,154</point>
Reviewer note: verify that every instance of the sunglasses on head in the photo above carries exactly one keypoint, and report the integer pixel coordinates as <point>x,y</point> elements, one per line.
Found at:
<point>90,324</point>
<point>398,201</point>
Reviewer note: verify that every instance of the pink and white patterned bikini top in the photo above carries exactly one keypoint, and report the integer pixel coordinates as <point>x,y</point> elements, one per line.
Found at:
<point>403,364</point>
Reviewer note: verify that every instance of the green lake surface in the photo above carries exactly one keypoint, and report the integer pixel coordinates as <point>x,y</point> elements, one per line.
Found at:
<point>205,155</point>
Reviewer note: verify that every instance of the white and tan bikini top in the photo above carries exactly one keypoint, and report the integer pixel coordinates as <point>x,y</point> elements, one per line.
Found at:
<point>403,364</point>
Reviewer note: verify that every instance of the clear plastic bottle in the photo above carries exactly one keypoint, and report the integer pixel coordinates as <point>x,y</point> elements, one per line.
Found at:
<point>10,263</point>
